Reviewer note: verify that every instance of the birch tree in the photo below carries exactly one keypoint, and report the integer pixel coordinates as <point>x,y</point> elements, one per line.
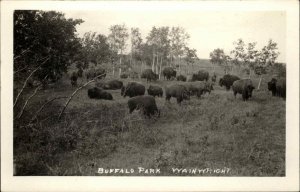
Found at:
<point>117,40</point>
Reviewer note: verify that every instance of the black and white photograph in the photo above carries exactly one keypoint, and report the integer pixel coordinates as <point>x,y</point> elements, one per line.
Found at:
<point>150,89</point>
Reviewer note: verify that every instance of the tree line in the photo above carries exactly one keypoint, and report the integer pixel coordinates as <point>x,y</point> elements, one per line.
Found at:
<point>48,37</point>
<point>48,41</point>
<point>248,58</point>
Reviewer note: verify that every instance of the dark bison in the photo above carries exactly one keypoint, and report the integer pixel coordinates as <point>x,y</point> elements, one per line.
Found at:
<point>111,84</point>
<point>149,75</point>
<point>133,89</point>
<point>180,92</point>
<point>181,78</point>
<point>227,81</point>
<point>214,78</point>
<point>144,102</point>
<point>97,93</point>
<point>200,76</point>
<point>168,73</point>
<point>92,73</point>
<point>244,87</point>
<point>278,87</point>
<point>155,91</point>
<point>74,78</point>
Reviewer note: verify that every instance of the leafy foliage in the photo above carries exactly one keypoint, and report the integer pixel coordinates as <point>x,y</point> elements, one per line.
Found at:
<point>39,35</point>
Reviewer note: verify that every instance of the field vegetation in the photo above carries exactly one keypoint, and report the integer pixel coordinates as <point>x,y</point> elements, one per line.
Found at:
<point>52,137</point>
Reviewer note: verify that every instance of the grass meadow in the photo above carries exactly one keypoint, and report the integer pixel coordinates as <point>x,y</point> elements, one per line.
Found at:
<point>215,131</point>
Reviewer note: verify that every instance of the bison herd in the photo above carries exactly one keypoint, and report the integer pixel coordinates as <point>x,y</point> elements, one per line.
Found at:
<point>199,84</point>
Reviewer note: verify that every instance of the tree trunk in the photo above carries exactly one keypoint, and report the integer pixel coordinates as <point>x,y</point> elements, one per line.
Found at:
<point>159,74</point>
<point>120,69</point>
<point>157,62</point>
<point>259,83</point>
<point>113,71</point>
<point>153,62</point>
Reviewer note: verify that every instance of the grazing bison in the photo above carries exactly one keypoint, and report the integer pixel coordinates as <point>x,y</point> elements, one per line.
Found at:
<point>181,78</point>
<point>97,93</point>
<point>200,76</point>
<point>198,88</point>
<point>155,91</point>
<point>168,73</point>
<point>133,89</point>
<point>149,75</point>
<point>180,92</point>
<point>145,102</point>
<point>278,87</point>
<point>227,81</point>
<point>244,87</point>
<point>73,79</point>
<point>110,85</point>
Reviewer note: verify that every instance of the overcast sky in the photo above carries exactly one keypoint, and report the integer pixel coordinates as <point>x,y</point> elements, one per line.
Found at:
<point>208,30</point>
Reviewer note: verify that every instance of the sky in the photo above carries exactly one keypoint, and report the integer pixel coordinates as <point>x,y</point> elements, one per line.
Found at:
<point>208,30</point>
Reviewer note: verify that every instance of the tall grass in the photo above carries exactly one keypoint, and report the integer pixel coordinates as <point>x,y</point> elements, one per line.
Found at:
<point>214,131</point>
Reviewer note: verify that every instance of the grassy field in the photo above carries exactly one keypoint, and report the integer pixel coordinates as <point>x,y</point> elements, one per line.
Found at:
<point>215,131</point>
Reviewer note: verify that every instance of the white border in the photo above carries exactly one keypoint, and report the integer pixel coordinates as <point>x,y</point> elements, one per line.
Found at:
<point>288,183</point>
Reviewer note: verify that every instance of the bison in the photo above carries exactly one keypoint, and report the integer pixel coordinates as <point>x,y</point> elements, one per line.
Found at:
<point>97,93</point>
<point>244,87</point>
<point>155,91</point>
<point>110,85</point>
<point>149,75</point>
<point>181,78</point>
<point>133,89</point>
<point>227,81</point>
<point>74,78</point>
<point>200,76</point>
<point>180,92</point>
<point>278,87</point>
<point>168,73</point>
<point>144,102</point>
<point>198,88</point>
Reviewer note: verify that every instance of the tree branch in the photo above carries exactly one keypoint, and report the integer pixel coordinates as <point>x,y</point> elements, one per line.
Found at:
<point>35,91</point>
<point>43,106</point>
<point>25,83</point>
<point>74,93</point>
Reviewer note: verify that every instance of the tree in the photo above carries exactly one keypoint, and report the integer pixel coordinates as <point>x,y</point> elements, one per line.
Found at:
<point>266,57</point>
<point>136,41</point>
<point>178,42</point>
<point>217,56</point>
<point>95,48</point>
<point>117,40</point>
<point>190,56</point>
<point>44,34</point>
<point>238,54</point>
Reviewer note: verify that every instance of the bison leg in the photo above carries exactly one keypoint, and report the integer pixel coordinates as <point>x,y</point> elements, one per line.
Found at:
<point>234,93</point>
<point>179,99</point>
